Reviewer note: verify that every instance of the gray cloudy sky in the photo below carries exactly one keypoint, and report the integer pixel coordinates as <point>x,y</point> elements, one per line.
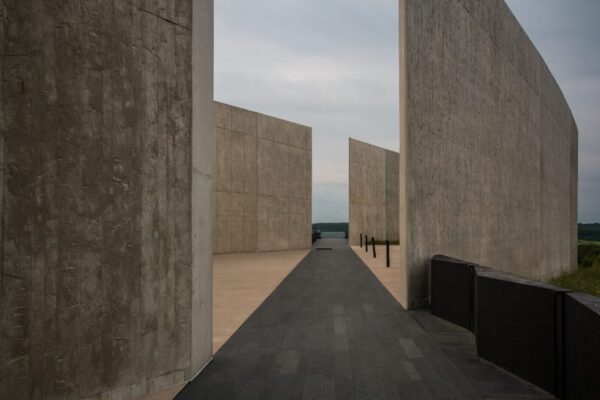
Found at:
<point>333,65</point>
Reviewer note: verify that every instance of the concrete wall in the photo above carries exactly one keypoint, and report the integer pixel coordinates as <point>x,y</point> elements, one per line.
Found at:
<point>263,182</point>
<point>488,163</point>
<point>106,136</point>
<point>373,186</point>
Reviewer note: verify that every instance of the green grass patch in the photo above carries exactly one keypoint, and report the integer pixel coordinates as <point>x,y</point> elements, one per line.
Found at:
<point>585,280</point>
<point>587,277</point>
<point>590,242</point>
<point>588,254</point>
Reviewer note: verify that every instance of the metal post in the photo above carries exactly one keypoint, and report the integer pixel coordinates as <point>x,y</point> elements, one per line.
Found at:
<point>361,240</point>
<point>366,243</point>
<point>373,243</point>
<point>387,253</point>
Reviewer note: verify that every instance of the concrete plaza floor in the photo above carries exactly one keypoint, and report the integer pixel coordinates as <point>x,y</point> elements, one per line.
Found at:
<point>241,282</point>
<point>389,276</point>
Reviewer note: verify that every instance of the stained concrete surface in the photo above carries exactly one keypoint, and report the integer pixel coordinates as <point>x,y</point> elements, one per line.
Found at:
<point>488,146</point>
<point>332,331</point>
<point>106,176</point>
<point>373,192</point>
<point>263,182</point>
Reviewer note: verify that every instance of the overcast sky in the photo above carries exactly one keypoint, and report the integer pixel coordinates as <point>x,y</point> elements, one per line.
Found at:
<point>333,65</point>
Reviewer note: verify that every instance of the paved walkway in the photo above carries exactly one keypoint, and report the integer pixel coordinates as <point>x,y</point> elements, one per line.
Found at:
<point>241,282</point>
<point>331,331</point>
<point>390,276</point>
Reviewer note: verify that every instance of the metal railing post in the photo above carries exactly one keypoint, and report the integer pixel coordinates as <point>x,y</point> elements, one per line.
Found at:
<point>387,253</point>
<point>361,240</point>
<point>373,244</point>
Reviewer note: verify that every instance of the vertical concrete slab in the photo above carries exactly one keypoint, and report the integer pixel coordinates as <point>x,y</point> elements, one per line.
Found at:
<point>392,164</point>
<point>202,184</point>
<point>263,167</point>
<point>373,188</point>
<point>488,145</point>
<point>106,211</point>
<point>402,170</point>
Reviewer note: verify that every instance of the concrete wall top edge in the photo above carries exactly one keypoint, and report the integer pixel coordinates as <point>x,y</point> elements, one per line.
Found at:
<point>372,145</point>
<point>543,64</point>
<point>263,126</point>
<point>504,12</point>
<point>241,109</point>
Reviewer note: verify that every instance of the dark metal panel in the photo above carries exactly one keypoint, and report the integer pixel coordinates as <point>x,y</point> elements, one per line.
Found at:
<point>582,347</point>
<point>518,327</point>
<point>452,290</point>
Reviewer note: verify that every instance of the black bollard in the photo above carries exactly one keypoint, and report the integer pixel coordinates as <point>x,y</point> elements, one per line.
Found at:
<point>366,243</point>
<point>373,243</point>
<point>387,253</point>
<point>361,240</point>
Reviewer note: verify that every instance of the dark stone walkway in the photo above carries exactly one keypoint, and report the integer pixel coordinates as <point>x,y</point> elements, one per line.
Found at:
<point>330,331</point>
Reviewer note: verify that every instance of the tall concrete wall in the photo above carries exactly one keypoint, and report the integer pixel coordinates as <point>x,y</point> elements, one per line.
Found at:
<point>373,186</point>
<point>106,136</point>
<point>263,182</point>
<point>488,163</point>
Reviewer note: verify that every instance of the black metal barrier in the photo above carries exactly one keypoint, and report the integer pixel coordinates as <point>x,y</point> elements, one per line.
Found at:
<point>452,290</point>
<point>540,332</point>
<point>582,347</point>
<point>518,326</point>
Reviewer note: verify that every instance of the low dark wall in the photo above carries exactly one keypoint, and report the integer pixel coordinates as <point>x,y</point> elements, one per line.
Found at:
<point>452,290</point>
<point>519,327</point>
<point>542,333</point>
<point>582,346</point>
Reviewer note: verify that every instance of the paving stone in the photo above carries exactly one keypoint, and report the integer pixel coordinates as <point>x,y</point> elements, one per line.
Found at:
<point>332,331</point>
<point>492,381</point>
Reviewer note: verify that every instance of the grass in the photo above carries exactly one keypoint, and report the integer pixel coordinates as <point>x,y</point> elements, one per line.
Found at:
<point>588,242</point>
<point>587,277</point>
<point>585,280</point>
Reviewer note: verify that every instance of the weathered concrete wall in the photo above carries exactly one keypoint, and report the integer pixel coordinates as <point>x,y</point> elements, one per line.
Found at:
<point>373,186</point>
<point>263,182</point>
<point>101,291</point>
<point>488,163</point>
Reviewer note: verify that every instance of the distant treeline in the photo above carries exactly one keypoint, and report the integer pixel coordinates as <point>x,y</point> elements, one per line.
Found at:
<point>586,231</point>
<point>589,232</point>
<point>331,227</point>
